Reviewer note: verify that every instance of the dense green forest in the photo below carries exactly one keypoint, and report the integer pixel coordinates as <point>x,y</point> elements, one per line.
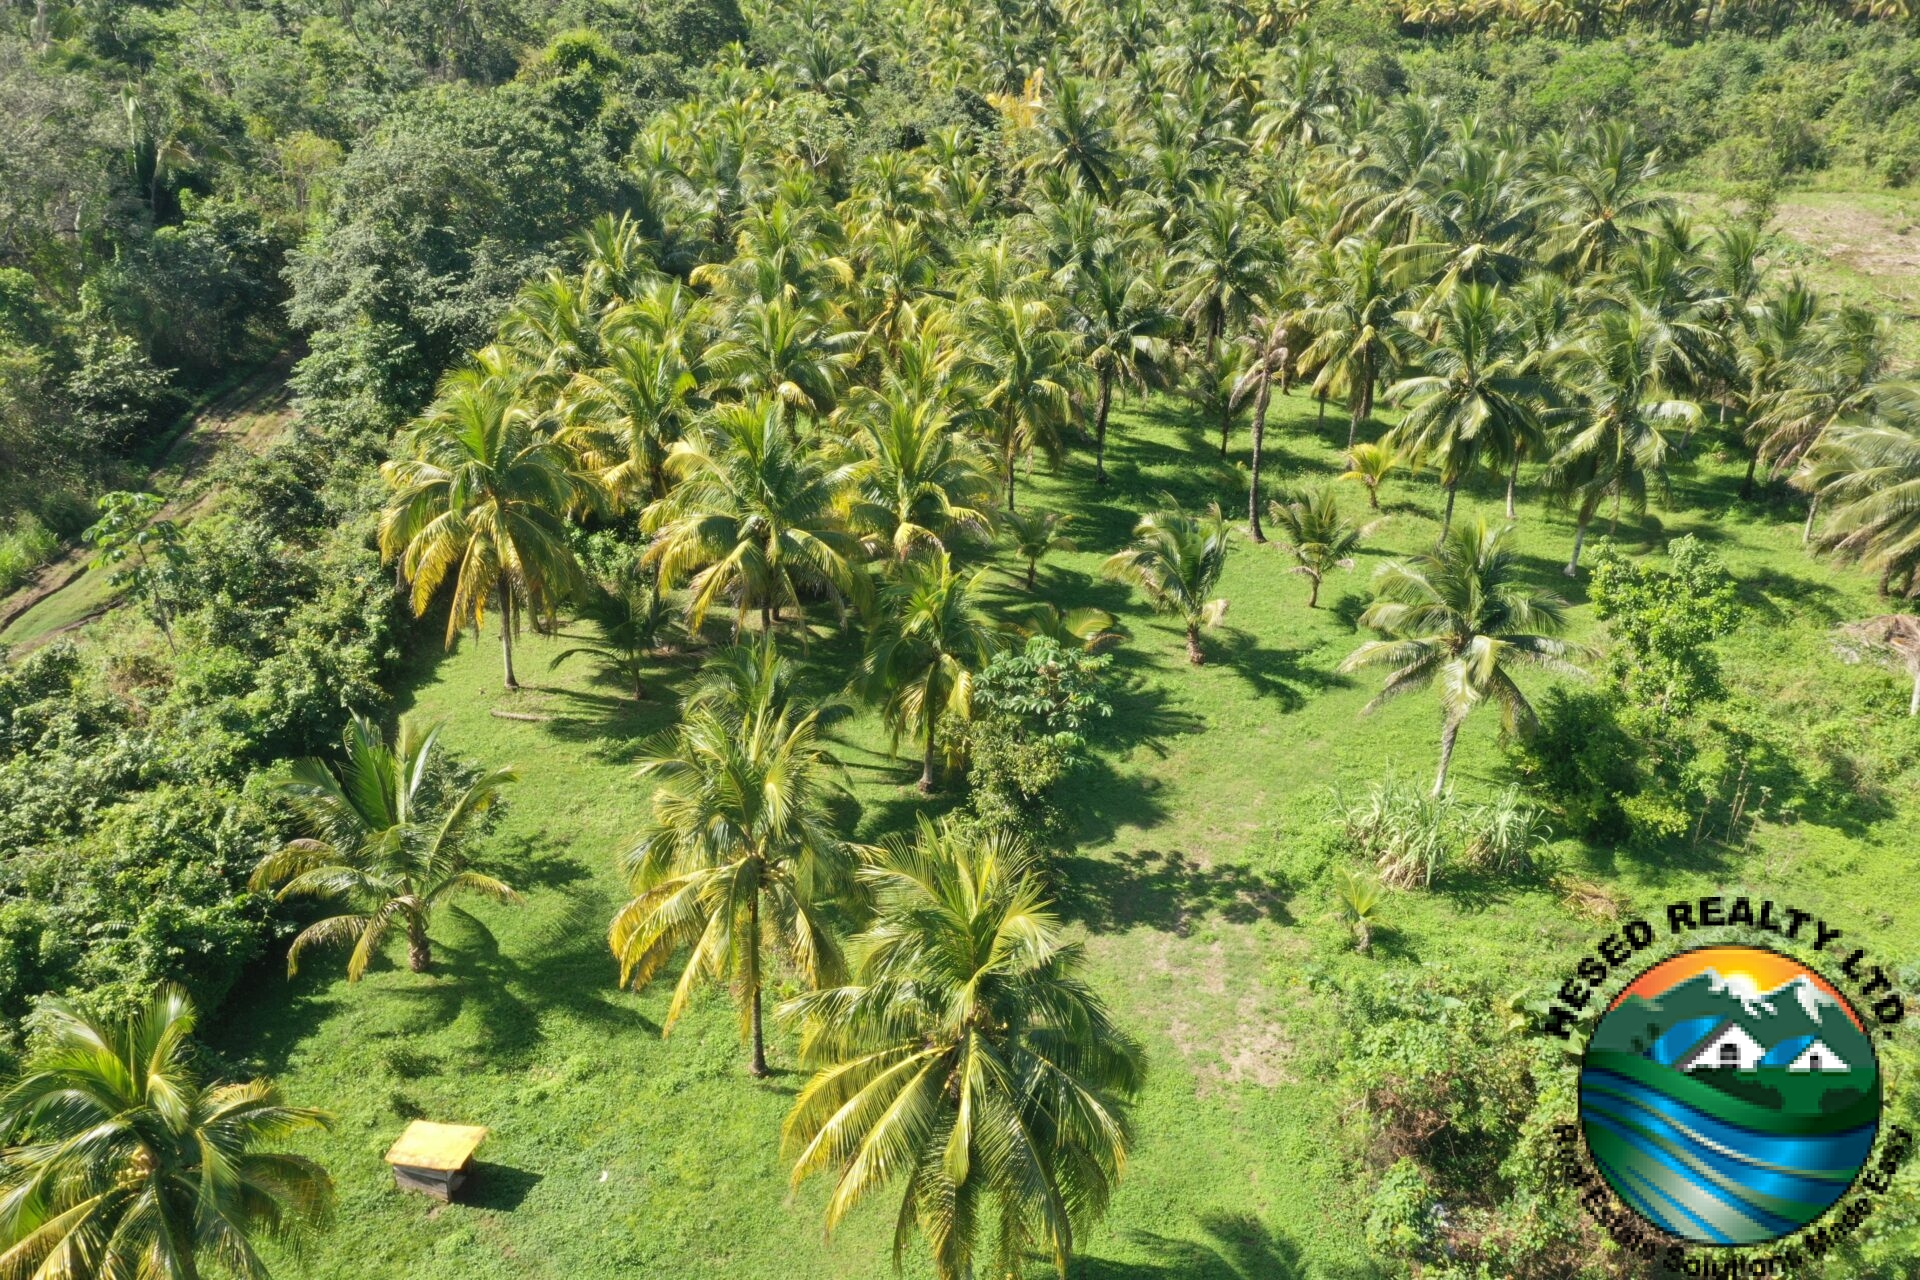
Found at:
<point>1057,589</point>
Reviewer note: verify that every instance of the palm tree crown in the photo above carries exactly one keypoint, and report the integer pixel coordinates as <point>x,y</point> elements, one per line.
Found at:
<point>1460,617</point>
<point>484,497</point>
<point>1176,559</point>
<point>929,642</point>
<point>1318,537</point>
<point>737,854</point>
<point>752,518</point>
<point>119,1161</point>
<point>966,1057</point>
<point>381,831</point>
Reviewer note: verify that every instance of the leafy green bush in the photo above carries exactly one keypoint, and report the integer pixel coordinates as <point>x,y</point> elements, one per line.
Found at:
<point>1664,617</point>
<point>1453,1103</point>
<point>1030,707</point>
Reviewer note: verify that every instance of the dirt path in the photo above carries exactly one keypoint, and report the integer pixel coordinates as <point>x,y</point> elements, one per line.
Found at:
<point>62,595</point>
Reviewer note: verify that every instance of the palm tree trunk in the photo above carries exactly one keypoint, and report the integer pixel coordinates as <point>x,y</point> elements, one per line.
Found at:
<point>1099,434</point>
<point>1259,439</point>
<point>1009,465</point>
<point>1753,461</point>
<point>506,633</point>
<point>1913,704</point>
<point>1313,591</point>
<point>1448,732</point>
<point>1353,420</point>
<point>926,761</point>
<point>1194,654</point>
<point>1226,422</point>
<point>1513,478</point>
<point>419,950</point>
<point>1033,567</point>
<point>1579,536</point>
<point>758,1066</point>
<point>1321,396</point>
<point>1446,521</point>
<point>1813,509</point>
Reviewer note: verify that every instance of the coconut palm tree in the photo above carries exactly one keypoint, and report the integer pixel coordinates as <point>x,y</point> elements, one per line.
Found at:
<point>929,642</point>
<point>484,497</point>
<point>386,833</point>
<point>629,619</point>
<point>737,854</point>
<point>751,519</point>
<point>624,416</point>
<point>1357,337</point>
<point>1274,348</point>
<point>119,1161</point>
<point>1617,440</point>
<point>1224,270</point>
<point>1124,329</point>
<point>1176,559</point>
<point>1077,137</point>
<point>1866,475</point>
<point>1026,371</point>
<point>1461,619</point>
<point>1034,535</point>
<point>913,479</point>
<point>1480,397</point>
<point>1371,464</point>
<point>1360,900</point>
<point>1318,537</point>
<point>789,351</point>
<point>1604,200</point>
<point>967,1057</point>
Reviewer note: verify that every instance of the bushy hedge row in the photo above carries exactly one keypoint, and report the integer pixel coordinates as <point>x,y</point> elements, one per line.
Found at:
<point>132,777</point>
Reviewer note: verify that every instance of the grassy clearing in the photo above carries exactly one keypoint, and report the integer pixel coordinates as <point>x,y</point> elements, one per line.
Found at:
<point>1202,879</point>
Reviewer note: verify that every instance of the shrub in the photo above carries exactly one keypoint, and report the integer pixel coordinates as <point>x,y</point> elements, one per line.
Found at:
<point>1452,1108</point>
<point>1030,707</point>
<point>24,548</point>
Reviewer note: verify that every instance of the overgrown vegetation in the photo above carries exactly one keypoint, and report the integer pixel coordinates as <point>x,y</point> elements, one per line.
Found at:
<point>887,360</point>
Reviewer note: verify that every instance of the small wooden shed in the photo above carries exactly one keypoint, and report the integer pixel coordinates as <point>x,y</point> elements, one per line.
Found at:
<point>434,1158</point>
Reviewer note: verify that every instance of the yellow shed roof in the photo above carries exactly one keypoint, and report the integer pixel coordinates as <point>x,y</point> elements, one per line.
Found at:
<point>445,1147</point>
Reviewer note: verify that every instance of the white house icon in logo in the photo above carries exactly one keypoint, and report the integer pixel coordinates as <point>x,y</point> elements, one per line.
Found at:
<point>1731,1047</point>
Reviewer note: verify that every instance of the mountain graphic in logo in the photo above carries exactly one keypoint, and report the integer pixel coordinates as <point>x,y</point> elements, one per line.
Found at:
<point>1730,1095</point>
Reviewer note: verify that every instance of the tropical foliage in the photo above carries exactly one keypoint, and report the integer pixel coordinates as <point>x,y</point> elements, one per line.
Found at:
<point>966,1060</point>
<point>386,832</point>
<point>120,1160</point>
<point>1461,619</point>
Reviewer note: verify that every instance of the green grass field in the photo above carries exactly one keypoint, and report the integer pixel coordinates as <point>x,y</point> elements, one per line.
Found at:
<point>1201,879</point>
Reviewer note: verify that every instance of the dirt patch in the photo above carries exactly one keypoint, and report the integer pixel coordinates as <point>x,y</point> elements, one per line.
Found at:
<point>1226,1022</point>
<point>1256,1052</point>
<point>1882,246</point>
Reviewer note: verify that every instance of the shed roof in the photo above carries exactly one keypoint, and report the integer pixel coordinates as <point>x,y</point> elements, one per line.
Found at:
<point>444,1147</point>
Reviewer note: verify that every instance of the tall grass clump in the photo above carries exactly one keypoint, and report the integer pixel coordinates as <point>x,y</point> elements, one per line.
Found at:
<point>24,548</point>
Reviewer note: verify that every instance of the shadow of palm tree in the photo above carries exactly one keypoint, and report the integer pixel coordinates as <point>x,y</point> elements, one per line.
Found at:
<point>1279,674</point>
<point>1232,1246</point>
<point>1167,891</point>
